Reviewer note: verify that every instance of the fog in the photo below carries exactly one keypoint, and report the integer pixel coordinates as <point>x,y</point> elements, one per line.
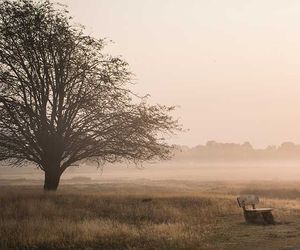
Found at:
<point>242,171</point>
<point>213,161</point>
<point>198,172</point>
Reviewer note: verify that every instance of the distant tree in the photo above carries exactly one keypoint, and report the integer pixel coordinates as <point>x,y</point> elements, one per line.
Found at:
<point>247,145</point>
<point>63,100</point>
<point>287,146</point>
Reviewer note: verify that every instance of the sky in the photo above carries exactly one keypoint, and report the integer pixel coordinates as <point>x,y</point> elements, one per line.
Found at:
<point>232,67</point>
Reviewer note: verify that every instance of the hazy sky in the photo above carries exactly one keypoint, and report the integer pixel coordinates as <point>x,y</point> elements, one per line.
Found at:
<point>233,66</point>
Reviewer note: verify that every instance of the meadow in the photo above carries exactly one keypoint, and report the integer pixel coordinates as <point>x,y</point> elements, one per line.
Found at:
<point>145,214</point>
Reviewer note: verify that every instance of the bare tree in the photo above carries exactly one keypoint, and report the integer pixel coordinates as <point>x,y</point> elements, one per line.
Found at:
<point>62,99</point>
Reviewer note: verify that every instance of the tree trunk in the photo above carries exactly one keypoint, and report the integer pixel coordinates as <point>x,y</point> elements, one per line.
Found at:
<point>52,177</point>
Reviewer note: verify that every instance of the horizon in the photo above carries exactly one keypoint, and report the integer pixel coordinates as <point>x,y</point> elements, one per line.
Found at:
<point>238,143</point>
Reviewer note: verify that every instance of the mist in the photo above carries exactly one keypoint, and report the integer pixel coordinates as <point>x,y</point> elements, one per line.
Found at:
<point>213,161</point>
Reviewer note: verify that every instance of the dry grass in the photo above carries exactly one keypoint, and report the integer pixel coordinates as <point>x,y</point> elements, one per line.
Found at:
<point>180,215</point>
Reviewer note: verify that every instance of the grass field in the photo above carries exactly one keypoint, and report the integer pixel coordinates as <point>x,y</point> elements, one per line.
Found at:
<point>175,215</point>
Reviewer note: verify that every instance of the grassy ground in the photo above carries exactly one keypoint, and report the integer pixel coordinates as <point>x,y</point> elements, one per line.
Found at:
<point>175,215</point>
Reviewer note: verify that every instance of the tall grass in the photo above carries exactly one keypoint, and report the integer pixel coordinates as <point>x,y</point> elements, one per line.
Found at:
<point>102,219</point>
<point>166,215</point>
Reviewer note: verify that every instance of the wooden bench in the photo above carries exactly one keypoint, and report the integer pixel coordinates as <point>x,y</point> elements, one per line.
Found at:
<point>253,214</point>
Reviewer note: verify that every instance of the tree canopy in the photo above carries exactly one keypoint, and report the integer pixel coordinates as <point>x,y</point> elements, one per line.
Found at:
<point>62,99</point>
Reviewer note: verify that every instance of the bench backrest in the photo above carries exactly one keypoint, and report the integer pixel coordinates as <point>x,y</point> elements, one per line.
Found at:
<point>245,200</point>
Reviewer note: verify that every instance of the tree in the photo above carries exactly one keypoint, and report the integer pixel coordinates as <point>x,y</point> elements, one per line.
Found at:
<point>63,100</point>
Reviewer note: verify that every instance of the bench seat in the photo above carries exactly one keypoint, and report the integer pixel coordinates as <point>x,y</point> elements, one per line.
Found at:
<point>259,210</point>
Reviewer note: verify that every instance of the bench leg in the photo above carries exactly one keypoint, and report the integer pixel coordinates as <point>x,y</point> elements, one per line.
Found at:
<point>259,217</point>
<point>268,217</point>
<point>254,217</point>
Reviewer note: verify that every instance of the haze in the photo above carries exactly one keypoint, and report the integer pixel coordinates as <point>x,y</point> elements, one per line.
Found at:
<point>232,66</point>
